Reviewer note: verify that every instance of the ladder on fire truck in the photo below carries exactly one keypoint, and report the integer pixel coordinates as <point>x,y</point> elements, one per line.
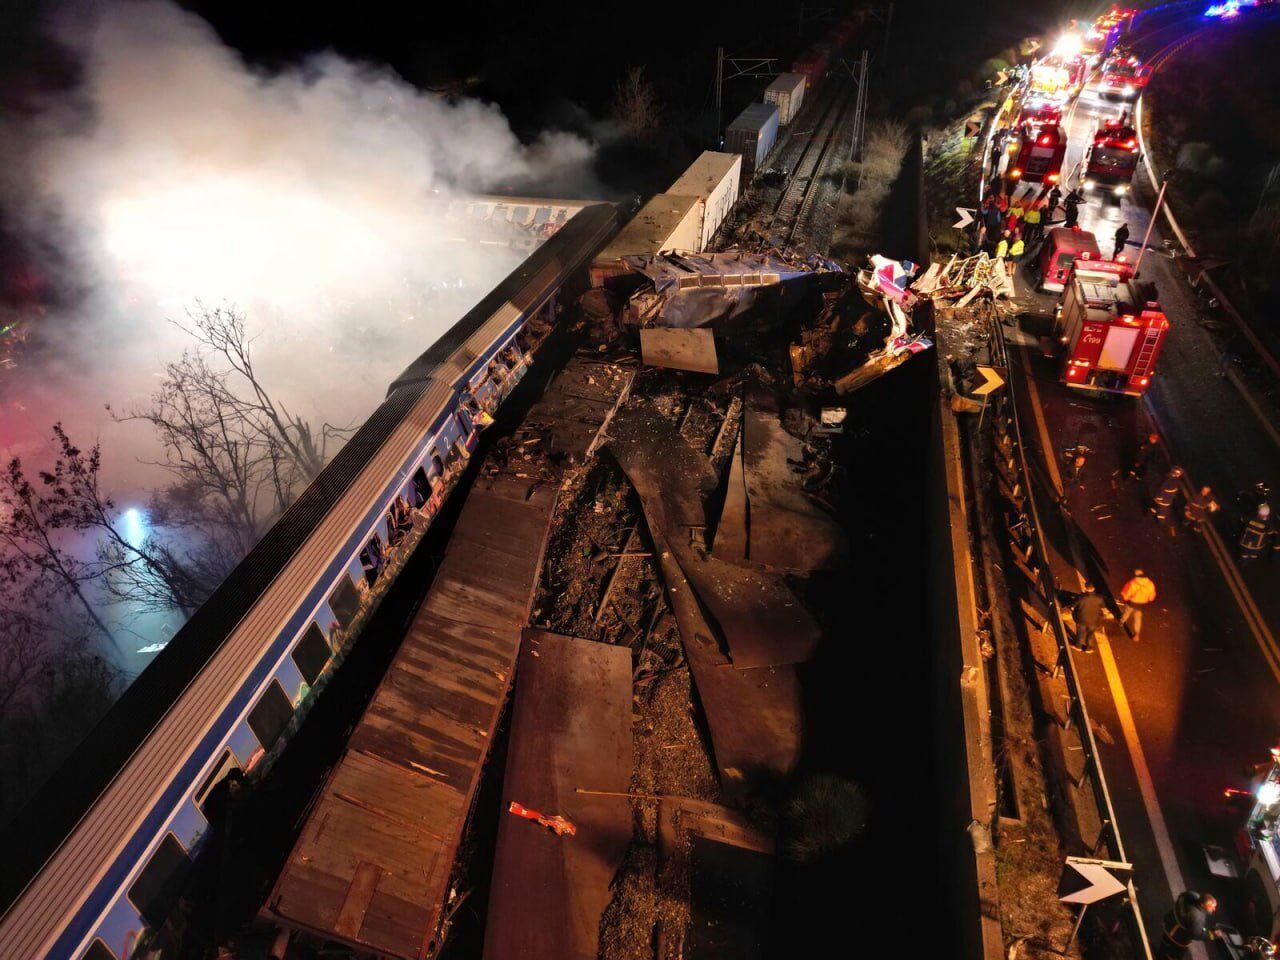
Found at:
<point>1146,352</point>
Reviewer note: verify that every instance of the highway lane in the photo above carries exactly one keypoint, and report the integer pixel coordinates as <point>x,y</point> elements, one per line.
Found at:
<point>1195,702</point>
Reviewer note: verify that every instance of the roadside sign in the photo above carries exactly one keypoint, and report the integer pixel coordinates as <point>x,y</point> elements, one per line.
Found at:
<point>992,380</point>
<point>966,215</point>
<point>972,128</point>
<point>1085,881</point>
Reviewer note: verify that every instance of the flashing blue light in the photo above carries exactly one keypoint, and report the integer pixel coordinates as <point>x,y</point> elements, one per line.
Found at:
<point>135,527</point>
<point>1223,11</point>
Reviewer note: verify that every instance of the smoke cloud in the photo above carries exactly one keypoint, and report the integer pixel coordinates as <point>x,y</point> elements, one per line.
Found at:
<point>311,198</point>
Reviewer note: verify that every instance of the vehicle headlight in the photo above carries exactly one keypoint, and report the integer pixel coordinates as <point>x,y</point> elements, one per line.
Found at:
<point>1121,189</point>
<point>1129,90</point>
<point>1088,184</point>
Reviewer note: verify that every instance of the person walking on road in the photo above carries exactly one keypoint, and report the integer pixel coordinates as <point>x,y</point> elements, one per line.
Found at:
<point>1072,206</point>
<point>1186,923</point>
<point>1087,613</point>
<point>1146,457</point>
<point>1257,534</point>
<point>1137,592</point>
<point>1033,218</point>
<point>1122,237</point>
<point>1165,494</point>
<point>1198,508</point>
<point>1051,203</point>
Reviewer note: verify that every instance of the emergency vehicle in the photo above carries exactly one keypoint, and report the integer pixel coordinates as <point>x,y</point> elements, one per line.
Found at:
<point>1037,112</point>
<point>1061,248</point>
<point>1111,328</point>
<point>1039,155</point>
<point>1056,78</point>
<point>1258,847</point>
<point>1123,77</point>
<point>1112,158</point>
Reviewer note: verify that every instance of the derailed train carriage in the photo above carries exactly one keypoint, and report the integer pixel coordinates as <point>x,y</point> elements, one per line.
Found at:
<point>97,861</point>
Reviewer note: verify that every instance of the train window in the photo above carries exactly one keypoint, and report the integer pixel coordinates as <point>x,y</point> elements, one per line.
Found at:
<point>371,560</point>
<point>421,486</point>
<point>311,654</point>
<point>98,951</point>
<point>344,601</point>
<point>155,893</point>
<point>226,763</point>
<point>268,719</point>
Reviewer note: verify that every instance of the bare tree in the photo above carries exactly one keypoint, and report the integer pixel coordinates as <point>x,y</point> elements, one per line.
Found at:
<point>635,103</point>
<point>238,455</point>
<point>34,553</point>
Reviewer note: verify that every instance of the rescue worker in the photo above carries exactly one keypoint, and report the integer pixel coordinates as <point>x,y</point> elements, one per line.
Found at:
<point>1013,216</point>
<point>1146,457</point>
<point>1034,220</point>
<point>1198,507</point>
<point>1186,923</point>
<point>1072,206</point>
<point>1122,237</point>
<point>1138,591</point>
<point>1017,248</point>
<point>1257,534</point>
<point>1002,247</point>
<point>1087,613</point>
<point>1051,204</point>
<point>1165,494</point>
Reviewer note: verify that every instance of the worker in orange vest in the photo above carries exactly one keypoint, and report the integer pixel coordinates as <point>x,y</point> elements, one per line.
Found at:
<point>1134,595</point>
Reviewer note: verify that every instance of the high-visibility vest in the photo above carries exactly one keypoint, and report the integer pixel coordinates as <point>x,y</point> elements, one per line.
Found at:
<point>1032,215</point>
<point>1138,590</point>
<point>1017,248</point>
<point>1002,248</point>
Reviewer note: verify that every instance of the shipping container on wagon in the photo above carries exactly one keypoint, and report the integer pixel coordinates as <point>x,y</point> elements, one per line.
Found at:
<point>787,93</point>
<point>717,179</point>
<point>667,223</point>
<point>753,135</point>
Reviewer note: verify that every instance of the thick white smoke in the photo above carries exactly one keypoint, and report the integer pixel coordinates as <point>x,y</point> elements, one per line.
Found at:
<point>310,198</point>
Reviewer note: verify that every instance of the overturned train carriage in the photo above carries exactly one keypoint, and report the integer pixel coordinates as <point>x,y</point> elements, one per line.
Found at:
<point>95,864</point>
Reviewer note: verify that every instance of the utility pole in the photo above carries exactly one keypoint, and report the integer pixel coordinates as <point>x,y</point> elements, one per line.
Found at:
<point>1164,185</point>
<point>859,126</point>
<point>715,134</point>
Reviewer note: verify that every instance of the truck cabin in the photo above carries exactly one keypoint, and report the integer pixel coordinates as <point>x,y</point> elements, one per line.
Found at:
<point>1112,329</point>
<point>1038,112</point>
<point>1112,158</point>
<point>1062,247</point>
<point>1123,77</point>
<point>1040,155</point>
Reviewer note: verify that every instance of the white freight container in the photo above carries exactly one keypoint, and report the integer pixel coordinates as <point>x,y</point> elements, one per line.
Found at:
<point>716,178</point>
<point>666,224</point>
<point>787,93</point>
<point>753,135</point>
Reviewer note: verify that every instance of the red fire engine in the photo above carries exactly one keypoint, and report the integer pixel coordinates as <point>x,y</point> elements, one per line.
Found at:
<point>1112,158</point>
<point>1111,327</point>
<point>1123,77</point>
<point>1039,155</point>
<point>1037,112</point>
<point>1057,78</point>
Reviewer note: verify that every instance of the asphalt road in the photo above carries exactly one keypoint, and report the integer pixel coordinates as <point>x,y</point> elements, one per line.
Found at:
<point>1188,708</point>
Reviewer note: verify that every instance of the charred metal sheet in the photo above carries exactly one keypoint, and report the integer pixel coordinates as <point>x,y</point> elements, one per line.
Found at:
<point>760,617</point>
<point>786,528</point>
<point>754,716</point>
<point>372,865</point>
<point>570,728</point>
<point>730,544</point>
<point>680,349</point>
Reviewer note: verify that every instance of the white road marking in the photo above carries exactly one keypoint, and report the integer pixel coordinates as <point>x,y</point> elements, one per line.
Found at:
<point>1128,727</point>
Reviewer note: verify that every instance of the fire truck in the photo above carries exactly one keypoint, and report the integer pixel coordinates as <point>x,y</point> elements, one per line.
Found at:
<point>1112,158</point>
<point>1111,327</point>
<point>1057,78</point>
<point>1037,112</point>
<point>1123,77</point>
<point>1039,155</point>
<point>1258,846</point>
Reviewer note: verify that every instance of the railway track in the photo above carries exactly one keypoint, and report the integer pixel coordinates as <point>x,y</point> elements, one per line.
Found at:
<point>794,207</point>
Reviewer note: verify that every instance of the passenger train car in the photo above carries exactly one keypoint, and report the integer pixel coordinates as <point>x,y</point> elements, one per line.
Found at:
<point>98,860</point>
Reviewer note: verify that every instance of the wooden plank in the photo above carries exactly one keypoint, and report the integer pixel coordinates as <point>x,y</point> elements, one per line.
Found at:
<point>351,914</point>
<point>571,727</point>
<point>680,348</point>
